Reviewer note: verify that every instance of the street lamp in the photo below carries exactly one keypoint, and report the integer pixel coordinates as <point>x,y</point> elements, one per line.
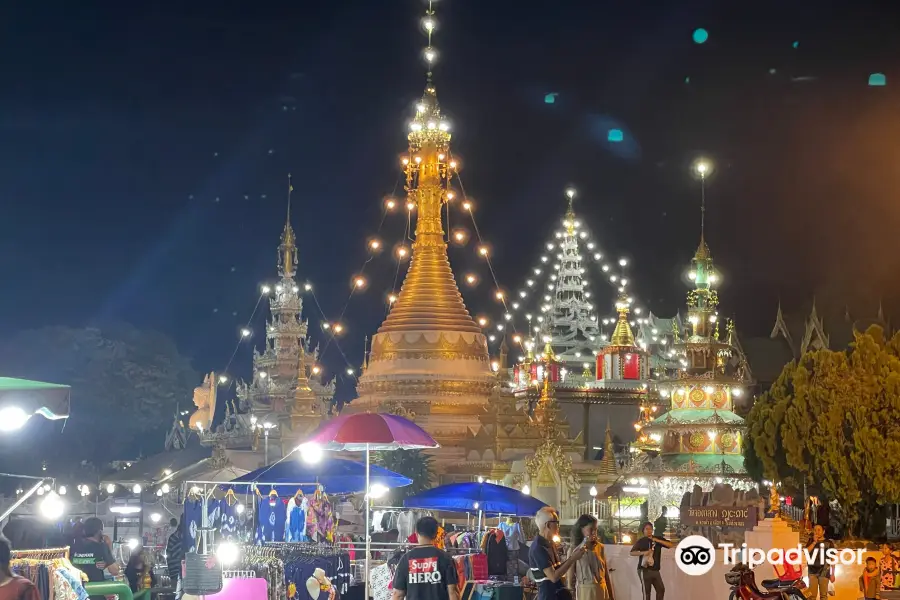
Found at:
<point>593,493</point>
<point>266,426</point>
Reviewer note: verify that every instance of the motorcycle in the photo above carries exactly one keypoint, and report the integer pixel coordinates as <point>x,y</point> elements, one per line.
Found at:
<point>743,586</point>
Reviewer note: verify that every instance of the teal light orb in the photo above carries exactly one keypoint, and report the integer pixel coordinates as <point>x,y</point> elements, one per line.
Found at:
<point>700,35</point>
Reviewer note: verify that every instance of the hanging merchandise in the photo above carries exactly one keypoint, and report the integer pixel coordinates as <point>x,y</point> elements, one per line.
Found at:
<point>513,532</point>
<point>494,546</point>
<point>52,573</point>
<point>295,521</point>
<point>271,517</point>
<point>193,513</point>
<point>320,518</point>
<point>229,520</point>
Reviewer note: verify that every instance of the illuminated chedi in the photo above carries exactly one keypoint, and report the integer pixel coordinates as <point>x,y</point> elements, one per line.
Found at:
<point>699,440</point>
<point>286,390</point>
<point>429,359</point>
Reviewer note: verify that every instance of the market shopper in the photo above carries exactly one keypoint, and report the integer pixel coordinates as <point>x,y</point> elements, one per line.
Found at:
<point>818,568</point>
<point>543,558</point>
<point>92,555</point>
<point>13,587</point>
<point>425,572</point>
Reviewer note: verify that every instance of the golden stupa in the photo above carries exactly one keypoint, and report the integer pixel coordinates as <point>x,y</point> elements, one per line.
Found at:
<point>429,360</point>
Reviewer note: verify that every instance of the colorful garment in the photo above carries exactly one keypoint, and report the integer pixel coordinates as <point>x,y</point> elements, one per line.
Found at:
<point>295,520</point>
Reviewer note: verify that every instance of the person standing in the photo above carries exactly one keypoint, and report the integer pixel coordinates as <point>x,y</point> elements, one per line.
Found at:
<point>13,587</point>
<point>661,524</point>
<point>543,559</point>
<point>818,568</point>
<point>648,550</point>
<point>175,553</point>
<point>92,553</point>
<point>425,572</point>
<point>589,572</point>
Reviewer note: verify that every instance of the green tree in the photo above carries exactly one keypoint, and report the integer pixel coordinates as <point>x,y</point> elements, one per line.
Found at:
<point>830,420</point>
<point>125,382</point>
<point>414,464</point>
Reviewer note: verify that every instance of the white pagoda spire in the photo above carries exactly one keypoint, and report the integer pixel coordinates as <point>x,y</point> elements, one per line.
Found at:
<point>572,318</point>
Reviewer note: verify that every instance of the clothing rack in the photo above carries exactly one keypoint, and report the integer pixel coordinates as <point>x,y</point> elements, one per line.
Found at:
<point>41,553</point>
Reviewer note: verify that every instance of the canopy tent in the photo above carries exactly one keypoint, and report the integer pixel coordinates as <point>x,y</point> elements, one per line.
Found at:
<point>336,475</point>
<point>50,400</point>
<point>474,497</point>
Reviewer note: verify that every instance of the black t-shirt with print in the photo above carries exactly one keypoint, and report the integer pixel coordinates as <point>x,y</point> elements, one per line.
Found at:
<point>86,554</point>
<point>644,544</point>
<point>424,574</point>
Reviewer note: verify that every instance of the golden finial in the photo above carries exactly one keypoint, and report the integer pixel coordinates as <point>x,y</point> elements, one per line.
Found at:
<point>287,250</point>
<point>622,334</point>
<point>703,168</point>
<point>570,212</point>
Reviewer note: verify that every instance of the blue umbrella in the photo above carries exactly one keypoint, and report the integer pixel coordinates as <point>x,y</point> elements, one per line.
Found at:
<point>336,475</point>
<point>472,497</point>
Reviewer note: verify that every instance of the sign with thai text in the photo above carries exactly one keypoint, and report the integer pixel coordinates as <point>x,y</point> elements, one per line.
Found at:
<point>718,516</point>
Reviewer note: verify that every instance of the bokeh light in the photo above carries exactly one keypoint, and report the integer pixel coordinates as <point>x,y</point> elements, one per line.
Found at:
<point>700,35</point>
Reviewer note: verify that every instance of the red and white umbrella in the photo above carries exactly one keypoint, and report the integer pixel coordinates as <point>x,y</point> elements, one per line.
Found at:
<point>364,432</point>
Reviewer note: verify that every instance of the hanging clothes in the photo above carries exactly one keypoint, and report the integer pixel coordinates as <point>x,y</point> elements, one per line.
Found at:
<point>406,525</point>
<point>193,520</point>
<point>229,520</point>
<point>494,546</point>
<point>272,516</point>
<point>295,519</point>
<point>513,533</point>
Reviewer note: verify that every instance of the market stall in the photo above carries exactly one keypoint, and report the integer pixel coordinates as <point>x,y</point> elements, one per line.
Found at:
<point>281,533</point>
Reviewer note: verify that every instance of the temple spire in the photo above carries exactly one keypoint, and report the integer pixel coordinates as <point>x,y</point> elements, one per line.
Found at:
<point>287,250</point>
<point>429,299</point>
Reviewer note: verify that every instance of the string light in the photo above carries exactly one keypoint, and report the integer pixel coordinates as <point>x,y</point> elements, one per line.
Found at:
<point>359,282</point>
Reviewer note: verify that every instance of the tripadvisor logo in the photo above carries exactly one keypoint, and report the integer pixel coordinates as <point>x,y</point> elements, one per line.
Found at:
<point>696,555</point>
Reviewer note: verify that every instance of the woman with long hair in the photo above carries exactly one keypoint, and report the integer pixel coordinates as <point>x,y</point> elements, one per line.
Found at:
<point>589,572</point>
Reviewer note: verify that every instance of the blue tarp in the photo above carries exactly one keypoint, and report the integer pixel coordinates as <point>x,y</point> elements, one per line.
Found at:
<point>336,475</point>
<point>462,497</point>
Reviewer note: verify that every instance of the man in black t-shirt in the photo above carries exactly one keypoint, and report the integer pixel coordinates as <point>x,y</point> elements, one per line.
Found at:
<point>91,554</point>
<point>648,550</point>
<point>426,573</point>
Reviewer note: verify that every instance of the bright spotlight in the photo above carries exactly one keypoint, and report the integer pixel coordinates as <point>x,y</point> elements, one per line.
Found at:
<point>310,452</point>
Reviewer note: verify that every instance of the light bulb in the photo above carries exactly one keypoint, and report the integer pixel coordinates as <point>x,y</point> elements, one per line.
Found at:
<point>165,488</point>
<point>266,289</point>
<point>245,332</point>
<point>526,489</point>
<point>136,489</point>
<point>374,244</point>
<point>110,488</point>
<point>359,282</point>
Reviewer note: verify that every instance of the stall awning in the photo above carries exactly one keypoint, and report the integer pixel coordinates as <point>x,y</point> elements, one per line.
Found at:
<point>336,475</point>
<point>50,400</point>
<point>472,497</point>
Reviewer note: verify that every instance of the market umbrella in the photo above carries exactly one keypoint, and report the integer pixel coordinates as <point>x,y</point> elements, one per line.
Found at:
<point>366,432</point>
<point>22,398</point>
<point>472,497</point>
<point>336,475</point>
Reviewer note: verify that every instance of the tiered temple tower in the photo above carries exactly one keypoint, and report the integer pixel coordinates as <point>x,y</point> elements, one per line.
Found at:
<point>573,321</point>
<point>700,439</point>
<point>429,360</point>
<point>286,388</point>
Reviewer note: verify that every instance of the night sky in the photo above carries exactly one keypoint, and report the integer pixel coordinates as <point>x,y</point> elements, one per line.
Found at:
<point>144,151</point>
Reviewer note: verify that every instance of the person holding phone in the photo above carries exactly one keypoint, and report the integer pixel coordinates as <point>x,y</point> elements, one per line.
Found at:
<point>588,577</point>
<point>547,571</point>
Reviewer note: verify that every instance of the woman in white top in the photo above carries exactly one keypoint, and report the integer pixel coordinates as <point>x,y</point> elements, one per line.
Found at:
<point>589,572</point>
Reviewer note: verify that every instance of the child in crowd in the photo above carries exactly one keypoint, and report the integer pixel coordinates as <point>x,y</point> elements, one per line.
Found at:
<point>870,580</point>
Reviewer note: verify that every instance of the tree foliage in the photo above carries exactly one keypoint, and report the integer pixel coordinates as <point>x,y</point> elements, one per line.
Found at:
<point>125,382</point>
<point>830,420</point>
<point>414,464</point>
